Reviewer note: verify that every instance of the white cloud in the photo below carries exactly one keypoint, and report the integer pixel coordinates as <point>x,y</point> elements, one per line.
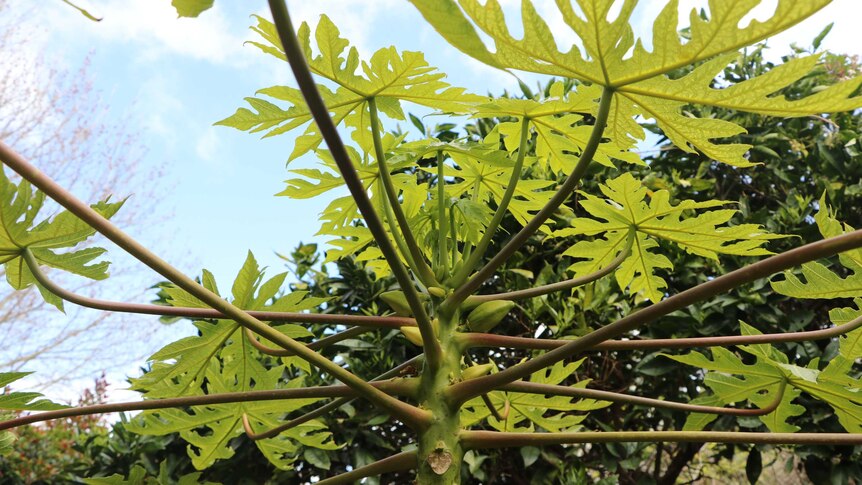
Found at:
<point>212,37</point>
<point>209,146</point>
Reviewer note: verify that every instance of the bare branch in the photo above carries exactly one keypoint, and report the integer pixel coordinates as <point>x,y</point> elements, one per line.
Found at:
<point>191,312</point>
<point>404,387</point>
<point>549,389</point>
<point>406,460</point>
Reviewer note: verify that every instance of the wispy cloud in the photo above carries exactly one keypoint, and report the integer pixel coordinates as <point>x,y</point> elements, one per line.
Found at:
<point>213,37</point>
<point>208,146</point>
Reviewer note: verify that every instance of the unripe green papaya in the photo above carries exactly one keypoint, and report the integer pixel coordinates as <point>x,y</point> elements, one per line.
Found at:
<point>437,291</point>
<point>487,315</point>
<point>413,335</point>
<point>470,303</point>
<point>476,371</point>
<point>440,273</point>
<point>398,302</point>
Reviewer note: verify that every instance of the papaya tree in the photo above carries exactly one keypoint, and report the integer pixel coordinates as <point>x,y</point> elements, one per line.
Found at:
<point>426,211</point>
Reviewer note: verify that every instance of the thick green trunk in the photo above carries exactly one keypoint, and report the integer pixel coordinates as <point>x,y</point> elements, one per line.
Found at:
<point>440,452</point>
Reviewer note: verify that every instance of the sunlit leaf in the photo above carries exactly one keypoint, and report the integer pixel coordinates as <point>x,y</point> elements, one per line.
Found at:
<point>19,208</point>
<point>609,55</point>
<point>626,209</point>
<point>388,76</point>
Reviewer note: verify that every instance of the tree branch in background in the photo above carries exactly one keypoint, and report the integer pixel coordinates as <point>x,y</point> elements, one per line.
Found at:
<point>53,113</point>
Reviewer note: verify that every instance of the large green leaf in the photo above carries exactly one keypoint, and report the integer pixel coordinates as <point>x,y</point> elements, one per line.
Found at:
<point>733,381</point>
<point>180,367</point>
<point>209,430</point>
<point>522,411</point>
<point>560,137</point>
<point>483,182</point>
<point>388,76</point>
<point>221,359</point>
<point>626,209</point>
<point>609,55</point>
<point>19,208</point>
<point>817,280</point>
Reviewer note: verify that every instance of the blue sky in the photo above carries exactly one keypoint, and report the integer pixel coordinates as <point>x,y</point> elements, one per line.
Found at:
<point>170,79</point>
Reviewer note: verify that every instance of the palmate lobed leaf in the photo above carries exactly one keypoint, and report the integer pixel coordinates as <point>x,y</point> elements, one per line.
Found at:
<point>612,57</point>
<point>733,381</point>
<point>525,411</point>
<point>484,182</point>
<point>180,367</point>
<point>478,174</point>
<point>559,139</point>
<point>338,218</point>
<point>19,208</point>
<point>221,359</point>
<point>210,429</point>
<point>819,281</point>
<point>625,210</point>
<point>388,76</point>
